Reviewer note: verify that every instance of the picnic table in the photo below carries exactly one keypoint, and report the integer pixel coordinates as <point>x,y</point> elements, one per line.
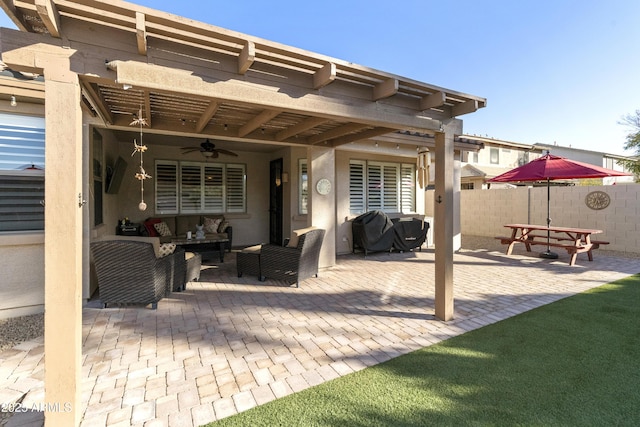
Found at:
<point>573,240</point>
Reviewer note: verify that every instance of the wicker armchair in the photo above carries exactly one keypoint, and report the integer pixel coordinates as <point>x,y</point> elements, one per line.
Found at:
<point>292,264</point>
<point>130,270</point>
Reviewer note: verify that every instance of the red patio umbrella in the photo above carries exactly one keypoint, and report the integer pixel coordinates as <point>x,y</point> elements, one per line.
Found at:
<point>550,167</point>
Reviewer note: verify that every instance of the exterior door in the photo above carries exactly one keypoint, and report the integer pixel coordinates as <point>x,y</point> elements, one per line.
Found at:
<point>275,202</point>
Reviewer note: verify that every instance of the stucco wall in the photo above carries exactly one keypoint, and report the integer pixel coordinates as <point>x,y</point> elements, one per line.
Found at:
<point>22,290</point>
<point>484,212</point>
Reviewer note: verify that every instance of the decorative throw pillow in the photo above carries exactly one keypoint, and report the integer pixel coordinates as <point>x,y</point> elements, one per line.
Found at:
<point>162,228</point>
<point>223,226</point>
<point>149,225</point>
<point>167,249</point>
<point>211,224</point>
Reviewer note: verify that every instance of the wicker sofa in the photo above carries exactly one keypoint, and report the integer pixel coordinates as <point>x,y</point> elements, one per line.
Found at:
<point>179,225</point>
<point>292,263</point>
<point>132,270</point>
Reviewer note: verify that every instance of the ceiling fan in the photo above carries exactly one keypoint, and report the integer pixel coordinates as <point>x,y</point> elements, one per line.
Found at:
<point>208,149</point>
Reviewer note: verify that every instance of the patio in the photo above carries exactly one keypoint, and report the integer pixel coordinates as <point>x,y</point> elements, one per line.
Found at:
<point>228,343</point>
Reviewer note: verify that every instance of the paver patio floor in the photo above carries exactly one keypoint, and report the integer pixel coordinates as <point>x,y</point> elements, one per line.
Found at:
<point>227,344</point>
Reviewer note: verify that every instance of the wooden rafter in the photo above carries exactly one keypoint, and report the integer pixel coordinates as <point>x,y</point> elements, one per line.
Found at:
<point>324,75</point>
<point>434,100</point>
<point>465,108</point>
<point>207,115</point>
<point>257,121</point>
<point>371,133</point>
<point>246,57</point>
<point>141,33</point>
<point>335,133</point>
<point>49,15</point>
<point>97,102</point>
<point>385,89</point>
<point>300,127</point>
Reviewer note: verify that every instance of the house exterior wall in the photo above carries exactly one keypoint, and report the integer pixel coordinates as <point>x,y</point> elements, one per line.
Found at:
<point>22,270</point>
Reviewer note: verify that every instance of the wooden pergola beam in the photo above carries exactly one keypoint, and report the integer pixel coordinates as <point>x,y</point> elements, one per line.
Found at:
<point>304,125</point>
<point>436,99</point>
<point>48,13</point>
<point>96,101</point>
<point>464,108</point>
<point>208,114</point>
<point>324,76</point>
<point>257,121</point>
<point>335,133</point>
<point>371,133</point>
<point>246,57</point>
<point>161,79</point>
<point>385,89</point>
<point>141,33</point>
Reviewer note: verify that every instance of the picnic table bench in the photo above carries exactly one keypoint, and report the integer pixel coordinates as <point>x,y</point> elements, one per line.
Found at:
<point>573,240</point>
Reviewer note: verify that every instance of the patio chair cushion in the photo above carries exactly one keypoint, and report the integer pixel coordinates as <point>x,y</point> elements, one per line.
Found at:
<point>295,236</point>
<point>252,249</point>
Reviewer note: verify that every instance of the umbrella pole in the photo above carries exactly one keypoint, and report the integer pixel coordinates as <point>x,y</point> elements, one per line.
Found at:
<point>548,254</point>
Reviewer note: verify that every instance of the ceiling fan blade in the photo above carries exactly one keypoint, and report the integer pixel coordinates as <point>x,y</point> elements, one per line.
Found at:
<point>186,150</point>
<point>227,152</point>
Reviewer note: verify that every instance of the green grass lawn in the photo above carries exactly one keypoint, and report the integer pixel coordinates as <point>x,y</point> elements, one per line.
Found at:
<point>575,362</point>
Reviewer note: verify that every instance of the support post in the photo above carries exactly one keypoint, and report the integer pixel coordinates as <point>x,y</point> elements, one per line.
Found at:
<point>443,221</point>
<point>322,207</point>
<point>63,244</point>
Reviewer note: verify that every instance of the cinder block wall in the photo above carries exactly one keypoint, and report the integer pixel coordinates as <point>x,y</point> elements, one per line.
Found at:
<point>484,212</point>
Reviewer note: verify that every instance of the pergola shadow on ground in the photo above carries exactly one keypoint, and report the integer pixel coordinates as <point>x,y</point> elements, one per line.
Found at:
<point>227,344</point>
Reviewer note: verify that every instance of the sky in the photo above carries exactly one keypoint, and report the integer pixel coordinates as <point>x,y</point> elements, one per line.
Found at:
<point>560,72</point>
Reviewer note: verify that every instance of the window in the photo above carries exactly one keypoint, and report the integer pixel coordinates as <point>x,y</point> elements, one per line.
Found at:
<point>494,154</point>
<point>389,187</point>
<point>523,158</point>
<point>21,173</point>
<point>192,187</point>
<point>303,187</point>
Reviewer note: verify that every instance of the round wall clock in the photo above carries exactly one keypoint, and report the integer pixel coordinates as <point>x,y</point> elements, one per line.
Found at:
<point>323,186</point>
<point>597,200</point>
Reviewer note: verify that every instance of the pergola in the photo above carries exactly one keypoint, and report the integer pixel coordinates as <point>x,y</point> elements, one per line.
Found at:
<point>104,61</point>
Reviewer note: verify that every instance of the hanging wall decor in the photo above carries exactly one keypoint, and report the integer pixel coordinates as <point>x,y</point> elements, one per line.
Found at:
<point>423,165</point>
<point>142,175</point>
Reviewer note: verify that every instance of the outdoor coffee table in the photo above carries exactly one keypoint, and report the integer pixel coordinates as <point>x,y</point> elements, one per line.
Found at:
<point>209,243</point>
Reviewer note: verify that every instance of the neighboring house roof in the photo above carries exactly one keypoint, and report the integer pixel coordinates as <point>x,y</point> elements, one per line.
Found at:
<point>501,143</point>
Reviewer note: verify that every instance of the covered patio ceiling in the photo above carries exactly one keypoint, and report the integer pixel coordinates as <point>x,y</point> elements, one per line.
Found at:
<point>317,99</point>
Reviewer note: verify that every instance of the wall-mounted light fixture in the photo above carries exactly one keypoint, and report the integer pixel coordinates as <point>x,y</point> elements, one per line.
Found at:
<point>13,101</point>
